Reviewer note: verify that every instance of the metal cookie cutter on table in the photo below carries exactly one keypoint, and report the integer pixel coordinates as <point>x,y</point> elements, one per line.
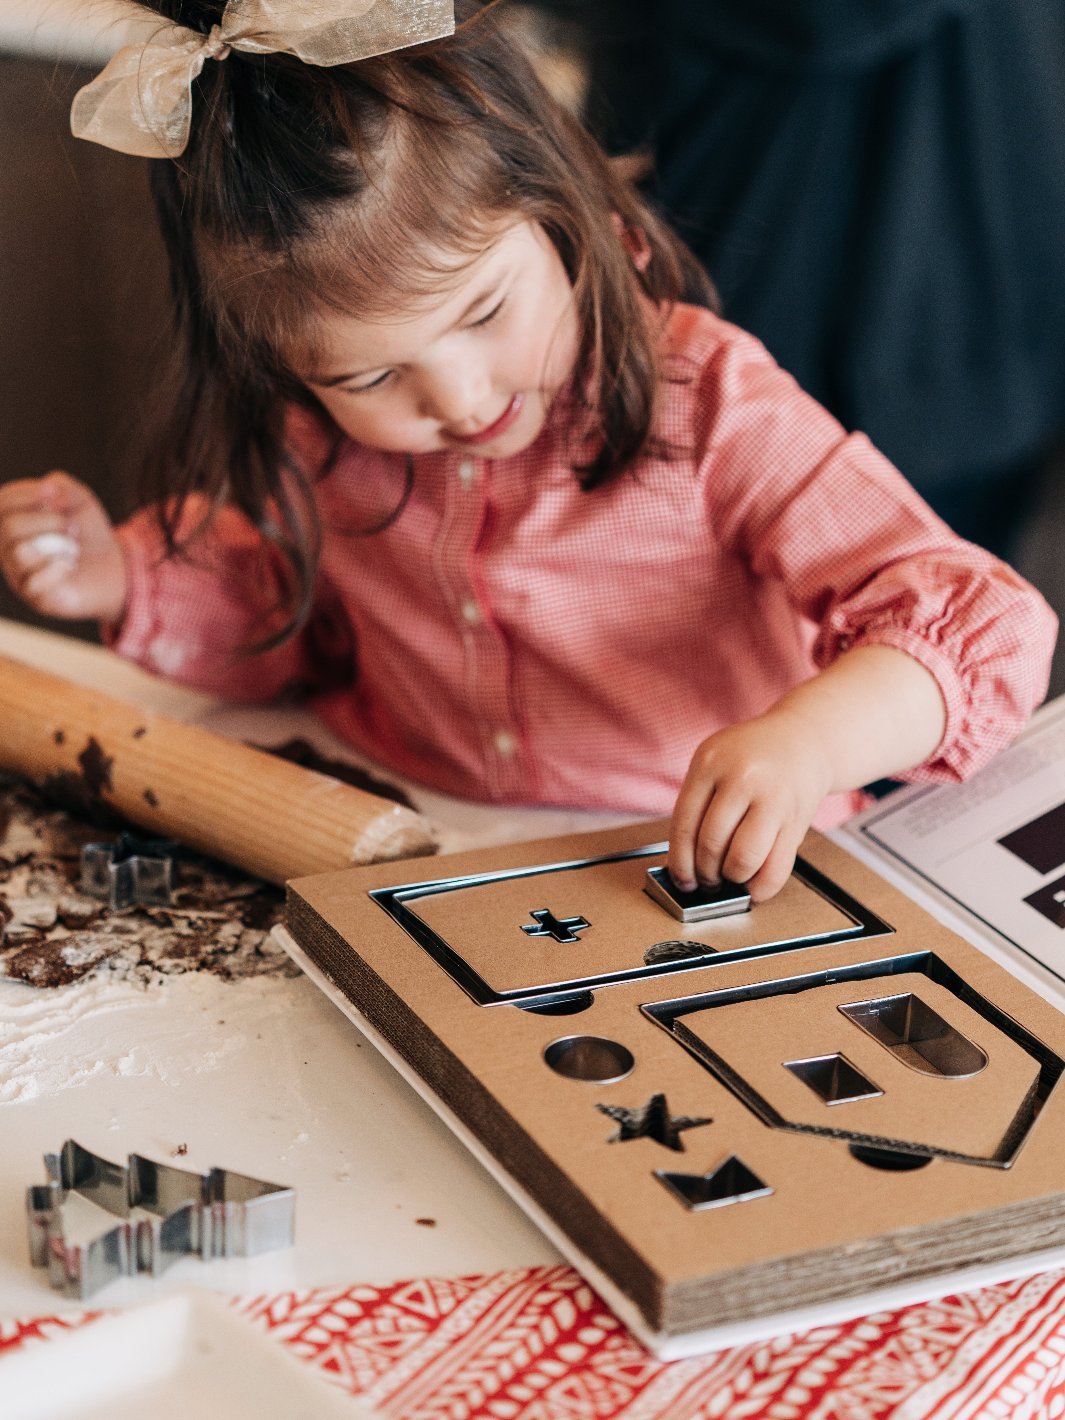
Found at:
<point>129,871</point>
<point>179,1213</point>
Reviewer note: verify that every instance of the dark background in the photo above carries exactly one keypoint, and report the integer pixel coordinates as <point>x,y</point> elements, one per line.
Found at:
<point>83,299</point>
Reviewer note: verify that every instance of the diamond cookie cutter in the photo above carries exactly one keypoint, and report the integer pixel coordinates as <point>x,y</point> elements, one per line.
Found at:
<point>129,871</point>
<point>165,1213</point>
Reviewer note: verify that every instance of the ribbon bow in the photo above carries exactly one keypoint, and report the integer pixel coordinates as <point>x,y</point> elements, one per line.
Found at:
<point>142,102</point>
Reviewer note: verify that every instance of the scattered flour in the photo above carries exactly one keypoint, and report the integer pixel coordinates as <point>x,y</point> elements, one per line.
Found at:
<point>103,1026</point>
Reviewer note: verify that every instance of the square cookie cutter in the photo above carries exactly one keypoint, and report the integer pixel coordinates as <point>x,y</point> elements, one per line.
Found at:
<point>164,1213</point>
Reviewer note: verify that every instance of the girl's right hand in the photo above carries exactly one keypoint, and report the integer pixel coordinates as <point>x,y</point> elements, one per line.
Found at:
<point>58,549</point>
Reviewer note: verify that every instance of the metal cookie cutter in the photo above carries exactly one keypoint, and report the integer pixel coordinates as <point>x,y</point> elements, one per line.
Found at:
<point>130,870</point>
<point>179,1213</point>
<point>704,904</point>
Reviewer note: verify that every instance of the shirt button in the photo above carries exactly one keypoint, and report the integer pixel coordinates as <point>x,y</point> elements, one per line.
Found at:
<point>505,744</point>
<point>471,612</point>
<point>467,472</point>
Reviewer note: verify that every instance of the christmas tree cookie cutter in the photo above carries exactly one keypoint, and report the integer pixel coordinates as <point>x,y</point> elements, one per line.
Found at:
<point>164,1213</point>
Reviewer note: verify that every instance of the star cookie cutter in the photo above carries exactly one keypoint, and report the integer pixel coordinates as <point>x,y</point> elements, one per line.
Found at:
<point>129,871</point>
<point>165,1213</point>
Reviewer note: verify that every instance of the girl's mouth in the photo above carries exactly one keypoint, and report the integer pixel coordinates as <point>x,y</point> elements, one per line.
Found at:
<point>493,431</point>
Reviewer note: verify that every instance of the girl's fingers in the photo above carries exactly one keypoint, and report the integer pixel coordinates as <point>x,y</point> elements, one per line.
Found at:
<point>62,493</point>
<point>52,492</point>
<point>22,495</point>
<point>724,815</point>
<point>19,528</point>
<point>776,869</point>
<point>705,821</point>
<point>751,844</point>
<point>44,581</point>
<point>688,814</point>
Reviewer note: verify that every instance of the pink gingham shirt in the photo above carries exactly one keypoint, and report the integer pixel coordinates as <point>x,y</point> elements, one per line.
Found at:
<point>511,638</point>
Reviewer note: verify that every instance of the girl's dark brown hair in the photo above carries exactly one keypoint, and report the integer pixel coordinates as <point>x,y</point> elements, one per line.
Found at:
<point>305,187</point>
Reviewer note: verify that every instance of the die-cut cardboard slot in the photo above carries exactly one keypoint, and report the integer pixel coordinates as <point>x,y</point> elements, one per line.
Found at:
<point>888,1160</point>
<point>652,1120</point>
<point>917,1035</point>
<point>561,927</point>
<point>731,1182</point>
<point>833,1078</point>
<point>590,1058</point>
<point>676,949</point>
<point>571,1005</point>
<point>982,1118</point>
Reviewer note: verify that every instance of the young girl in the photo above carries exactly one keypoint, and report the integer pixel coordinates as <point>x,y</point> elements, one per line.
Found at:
<point>450,451</point>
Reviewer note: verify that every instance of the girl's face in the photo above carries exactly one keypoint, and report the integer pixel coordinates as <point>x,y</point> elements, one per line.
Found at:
<point>473,369</point>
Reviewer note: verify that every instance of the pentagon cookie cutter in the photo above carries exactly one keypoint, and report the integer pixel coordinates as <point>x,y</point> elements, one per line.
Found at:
<point>164,1213</point>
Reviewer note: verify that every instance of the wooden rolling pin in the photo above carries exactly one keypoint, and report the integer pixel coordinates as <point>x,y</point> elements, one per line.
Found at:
<point>243,806</point>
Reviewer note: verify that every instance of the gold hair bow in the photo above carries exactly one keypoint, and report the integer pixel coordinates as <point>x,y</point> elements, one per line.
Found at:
<point>142,102</point>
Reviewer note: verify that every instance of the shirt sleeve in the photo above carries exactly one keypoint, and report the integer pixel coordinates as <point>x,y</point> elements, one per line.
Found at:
<point>865,559</point>
<point>200,618</point>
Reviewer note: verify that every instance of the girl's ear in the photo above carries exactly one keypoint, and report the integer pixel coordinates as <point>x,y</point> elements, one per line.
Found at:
<point>634,240</point>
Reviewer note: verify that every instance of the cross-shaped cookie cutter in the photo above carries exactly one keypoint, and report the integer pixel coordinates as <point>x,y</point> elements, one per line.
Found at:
<point>131,870</point>
<point>181,1213</point>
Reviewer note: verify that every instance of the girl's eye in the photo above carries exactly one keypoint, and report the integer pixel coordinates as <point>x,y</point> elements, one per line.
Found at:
<point>487,320</point>
<point>373,385</point>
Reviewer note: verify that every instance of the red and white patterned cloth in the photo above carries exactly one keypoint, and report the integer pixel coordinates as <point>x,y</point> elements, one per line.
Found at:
<point>539,1345</point>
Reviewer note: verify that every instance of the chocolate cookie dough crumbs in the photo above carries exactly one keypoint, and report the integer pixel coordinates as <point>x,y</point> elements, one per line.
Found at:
<point>51,934</point>
<point>140,732</point>
<point>426,1222</point>
<point>60,737</point>
<point>15,935</point>
<point>151,797</point>
<point>180,1151</point>
<point>76,913</point>
<point>57,963</point>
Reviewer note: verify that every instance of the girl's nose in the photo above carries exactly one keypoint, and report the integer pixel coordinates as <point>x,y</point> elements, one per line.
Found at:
<point>456,396</point>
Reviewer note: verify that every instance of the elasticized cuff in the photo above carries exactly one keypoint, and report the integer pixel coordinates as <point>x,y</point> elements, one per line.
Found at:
<point>944,671</point>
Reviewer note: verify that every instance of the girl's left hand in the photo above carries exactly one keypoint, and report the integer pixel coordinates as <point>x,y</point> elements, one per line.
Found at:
<point>747,801</point>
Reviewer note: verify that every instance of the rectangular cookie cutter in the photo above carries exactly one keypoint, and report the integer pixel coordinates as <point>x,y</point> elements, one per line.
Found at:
<point>165,1213</point>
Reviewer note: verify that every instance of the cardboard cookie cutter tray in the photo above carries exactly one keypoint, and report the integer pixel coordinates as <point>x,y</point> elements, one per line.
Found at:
<point>727,1119</point>
<point>164,1213</point>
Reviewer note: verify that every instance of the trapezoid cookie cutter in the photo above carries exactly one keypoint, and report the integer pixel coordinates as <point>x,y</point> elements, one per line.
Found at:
<point>165,1213</point>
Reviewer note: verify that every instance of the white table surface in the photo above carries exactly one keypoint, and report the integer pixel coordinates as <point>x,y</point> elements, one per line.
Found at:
<point>262,1075</point>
